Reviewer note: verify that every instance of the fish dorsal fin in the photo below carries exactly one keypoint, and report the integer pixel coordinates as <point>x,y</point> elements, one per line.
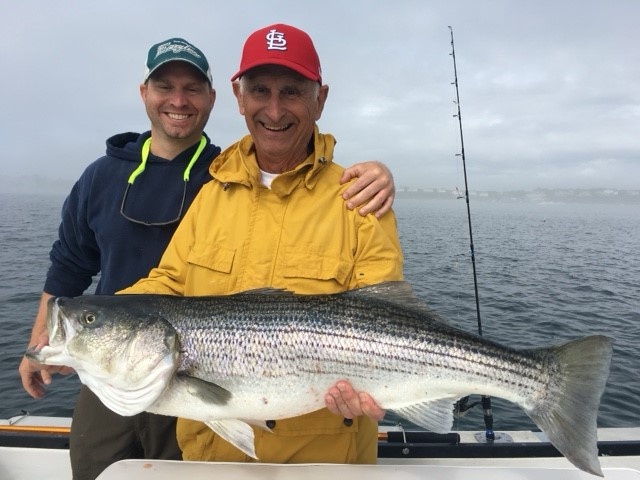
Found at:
<point>434,415</point>
<point>266,291</point>
<point>237,433</point>
<point>399,292</point>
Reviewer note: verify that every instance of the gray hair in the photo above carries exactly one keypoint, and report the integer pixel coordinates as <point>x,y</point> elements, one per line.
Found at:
<point>315,87</point>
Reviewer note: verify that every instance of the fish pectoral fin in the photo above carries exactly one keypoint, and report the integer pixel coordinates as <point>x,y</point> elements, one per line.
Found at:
<point>237,433</point>
<point>434,415</point>
<point>207,392</point>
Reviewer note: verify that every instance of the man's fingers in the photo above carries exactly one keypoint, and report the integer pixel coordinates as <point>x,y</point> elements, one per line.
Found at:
<point>359,191</point>
<point>46,377</point>
<point>342,399</point>
<point>370,408</point>
<point>334,402</point>
<point>33,385</point>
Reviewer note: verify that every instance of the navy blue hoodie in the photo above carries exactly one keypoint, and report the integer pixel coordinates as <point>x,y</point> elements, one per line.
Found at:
<point>94,237</point>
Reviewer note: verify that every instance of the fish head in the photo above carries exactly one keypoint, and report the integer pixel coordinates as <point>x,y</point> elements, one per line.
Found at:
<point>119,348</point>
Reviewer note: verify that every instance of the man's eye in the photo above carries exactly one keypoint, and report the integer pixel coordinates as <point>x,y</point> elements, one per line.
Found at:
<point>259,90</point>
<point>291,92</point>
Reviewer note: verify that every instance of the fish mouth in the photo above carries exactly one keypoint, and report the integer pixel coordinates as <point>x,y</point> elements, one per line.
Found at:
<point>58,325</point>
<point>59,329</point>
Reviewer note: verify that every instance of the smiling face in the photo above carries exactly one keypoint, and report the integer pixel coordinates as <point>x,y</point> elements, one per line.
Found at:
<point>280,109</point>
<point>178,100</point>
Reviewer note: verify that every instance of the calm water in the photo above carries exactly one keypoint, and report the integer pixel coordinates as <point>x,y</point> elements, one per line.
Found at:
<point>547,273</point>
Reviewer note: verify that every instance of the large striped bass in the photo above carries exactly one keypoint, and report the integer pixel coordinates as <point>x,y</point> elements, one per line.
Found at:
<point>231,361</point>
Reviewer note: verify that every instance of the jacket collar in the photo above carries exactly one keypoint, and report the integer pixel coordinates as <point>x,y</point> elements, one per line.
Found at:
<point>238,165</point>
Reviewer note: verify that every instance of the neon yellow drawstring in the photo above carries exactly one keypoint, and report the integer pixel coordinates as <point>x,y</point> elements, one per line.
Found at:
<point>146,146</point>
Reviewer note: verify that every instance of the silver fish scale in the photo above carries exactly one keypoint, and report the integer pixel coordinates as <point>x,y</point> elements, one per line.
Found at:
<point>277,335</point>
<point>275,356</point>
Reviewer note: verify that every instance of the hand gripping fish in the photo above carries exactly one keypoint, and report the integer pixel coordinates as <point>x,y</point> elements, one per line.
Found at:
<point>239,360</point>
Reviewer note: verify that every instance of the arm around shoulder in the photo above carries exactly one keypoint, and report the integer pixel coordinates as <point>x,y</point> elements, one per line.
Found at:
<point>374,190</point>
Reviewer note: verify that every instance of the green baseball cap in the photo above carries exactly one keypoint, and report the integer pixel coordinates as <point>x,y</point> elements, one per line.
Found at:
<point>176,49</point>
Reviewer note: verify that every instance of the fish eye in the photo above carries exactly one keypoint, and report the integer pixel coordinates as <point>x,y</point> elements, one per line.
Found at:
<point>89,318</point>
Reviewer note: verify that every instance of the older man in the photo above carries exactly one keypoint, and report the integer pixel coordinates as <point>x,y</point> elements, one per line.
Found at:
<point>273,217</point>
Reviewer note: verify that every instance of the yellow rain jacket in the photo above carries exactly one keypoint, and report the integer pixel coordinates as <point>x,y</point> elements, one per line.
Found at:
<point>240,235</point>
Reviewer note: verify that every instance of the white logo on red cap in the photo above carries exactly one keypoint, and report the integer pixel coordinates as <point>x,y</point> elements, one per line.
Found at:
<point>276,40</point>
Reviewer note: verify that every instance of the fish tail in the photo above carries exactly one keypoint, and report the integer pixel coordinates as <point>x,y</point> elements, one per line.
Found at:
<point>568,413</point>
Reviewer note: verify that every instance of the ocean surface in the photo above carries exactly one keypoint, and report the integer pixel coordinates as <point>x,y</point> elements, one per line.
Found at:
<point>547,273</point>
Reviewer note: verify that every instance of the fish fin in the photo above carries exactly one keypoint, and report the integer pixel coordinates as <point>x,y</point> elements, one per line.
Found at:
<point>207,392</point>
<point>237,433</point>
<point>399,292</point>
<point>260,424</point>
<point>393,291</point>
<point>434,415</point>
<point>568,414</point>
<point>266,291</point>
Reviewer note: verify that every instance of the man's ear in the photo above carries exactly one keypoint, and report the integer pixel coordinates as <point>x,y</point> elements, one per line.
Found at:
<point>323,93</point>
<point>143,92</point>
<point>237,91</point>
<point>212,97</point>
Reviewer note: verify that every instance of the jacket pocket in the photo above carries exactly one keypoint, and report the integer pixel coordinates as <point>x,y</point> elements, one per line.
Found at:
<point>212,257</point>
<point>316,265</point>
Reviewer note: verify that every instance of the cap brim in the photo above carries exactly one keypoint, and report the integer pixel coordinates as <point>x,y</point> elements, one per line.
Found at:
<point>205,74</point>
<point>282,62</point>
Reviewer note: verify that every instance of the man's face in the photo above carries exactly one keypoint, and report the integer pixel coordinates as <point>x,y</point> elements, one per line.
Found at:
<point>280,108</point>
<point>178,100</point>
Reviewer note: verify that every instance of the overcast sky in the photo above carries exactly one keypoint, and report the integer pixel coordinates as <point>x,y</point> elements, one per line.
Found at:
<point>550,89</point>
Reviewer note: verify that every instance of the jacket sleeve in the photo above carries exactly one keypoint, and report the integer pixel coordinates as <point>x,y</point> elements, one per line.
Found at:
<point>378,256</point>
<point>75,256</point>
<point>169,277</point>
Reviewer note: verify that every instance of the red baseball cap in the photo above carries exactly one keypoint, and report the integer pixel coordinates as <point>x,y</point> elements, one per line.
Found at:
<point>284,45</point>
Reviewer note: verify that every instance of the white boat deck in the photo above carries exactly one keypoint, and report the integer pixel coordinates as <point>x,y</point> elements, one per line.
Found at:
<point>165,470</point>
<point>20,463</point>
<point>27,464</point>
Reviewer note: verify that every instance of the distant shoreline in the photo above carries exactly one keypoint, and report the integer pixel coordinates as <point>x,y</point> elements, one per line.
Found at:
<point>538,195</point>
<point>60,187</point>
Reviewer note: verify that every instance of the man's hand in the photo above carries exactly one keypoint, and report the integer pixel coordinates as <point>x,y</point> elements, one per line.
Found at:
<point>374,190</point>
<point>35,376</point>
<point>343,400</point>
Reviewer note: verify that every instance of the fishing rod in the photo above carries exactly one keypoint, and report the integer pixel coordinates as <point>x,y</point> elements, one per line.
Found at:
<point>486,400</point>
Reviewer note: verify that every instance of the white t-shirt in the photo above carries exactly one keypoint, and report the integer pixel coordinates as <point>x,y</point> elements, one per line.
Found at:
<point>266,178</point>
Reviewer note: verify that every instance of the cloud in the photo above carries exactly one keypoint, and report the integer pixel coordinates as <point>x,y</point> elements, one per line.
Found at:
<point>548,89</point>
